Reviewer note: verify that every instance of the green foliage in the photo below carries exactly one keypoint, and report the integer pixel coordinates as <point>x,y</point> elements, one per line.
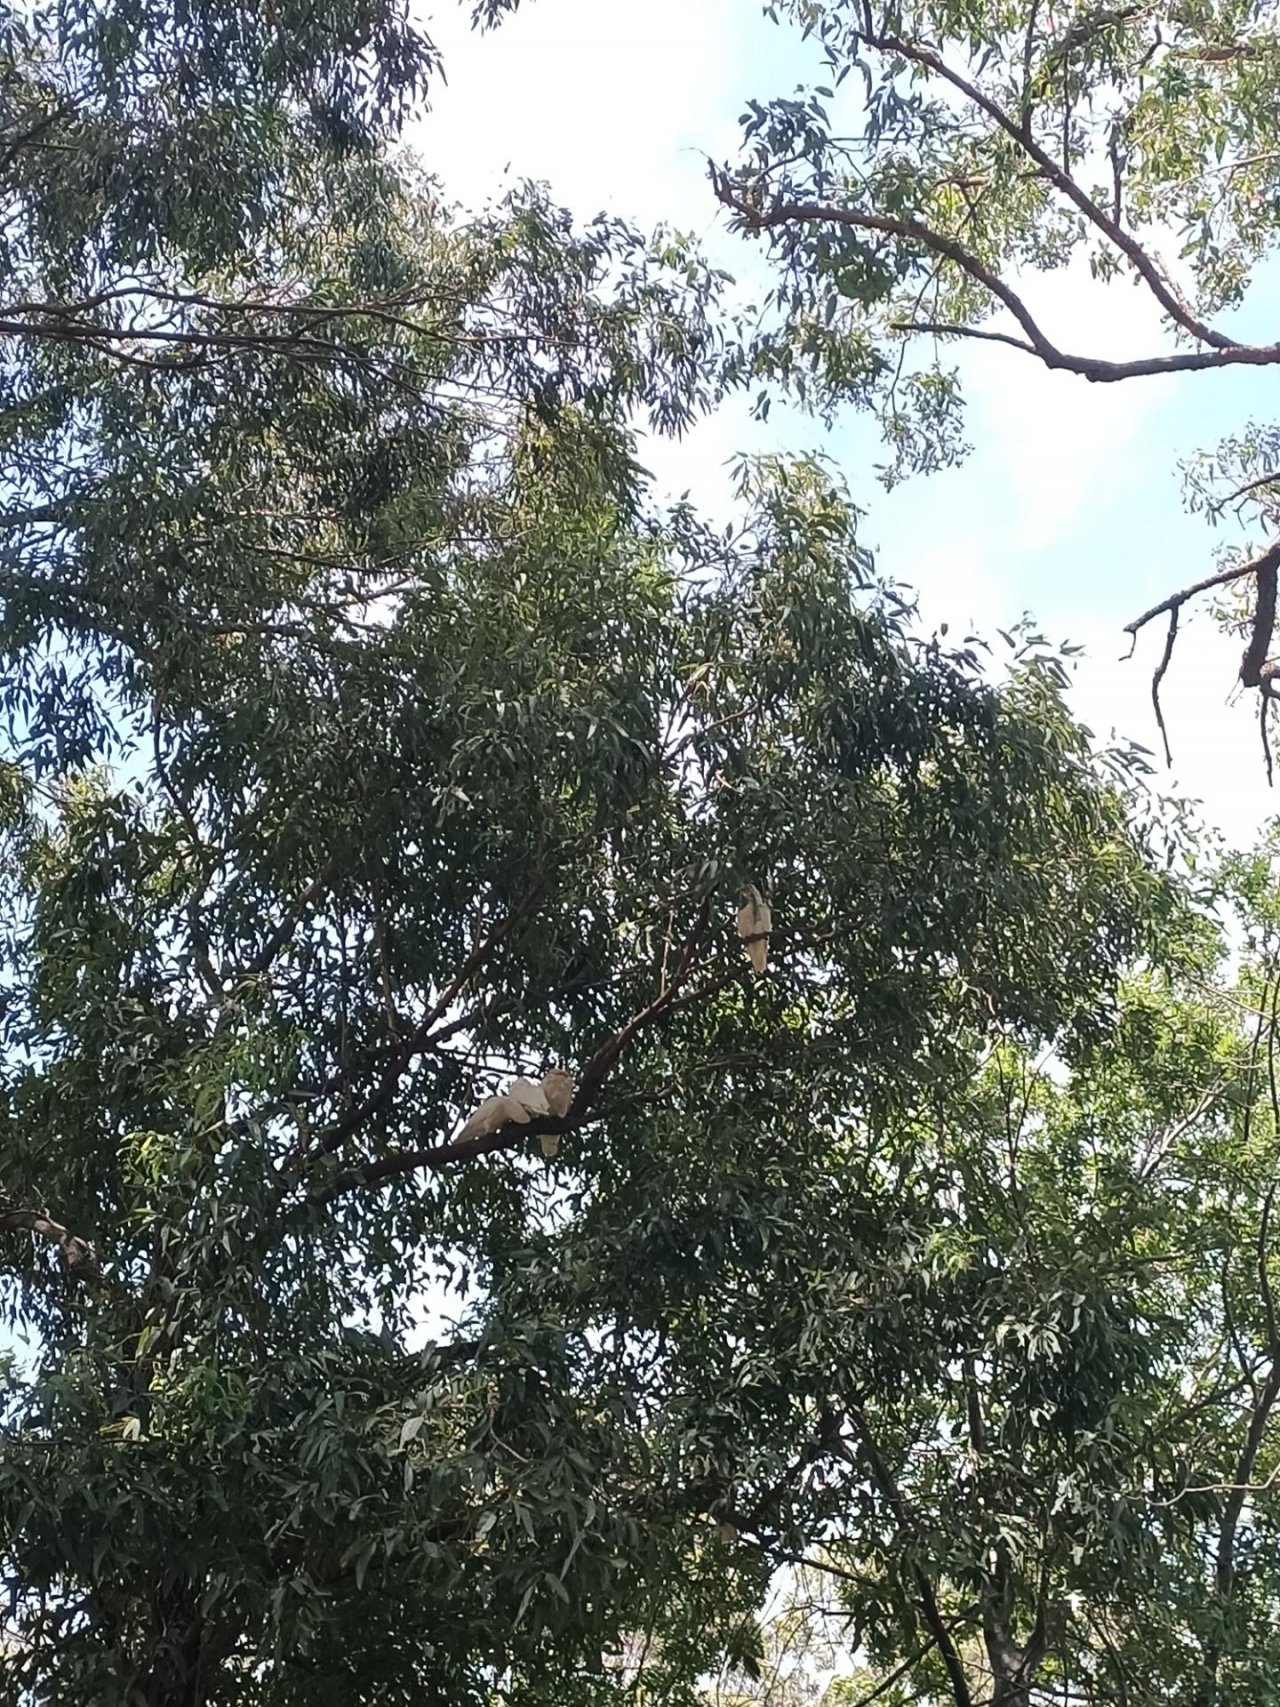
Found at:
<point>371,735</point>
<point>358,869</point>
<point>1047,1366</point>
<point>958,152</point>
<point>970,142</point>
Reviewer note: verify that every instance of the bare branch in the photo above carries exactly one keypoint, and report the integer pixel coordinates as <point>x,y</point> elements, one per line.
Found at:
<point>1159,676</point>
<point>598,1067</point>
<point>1175,600</point>
<point>945,329</point>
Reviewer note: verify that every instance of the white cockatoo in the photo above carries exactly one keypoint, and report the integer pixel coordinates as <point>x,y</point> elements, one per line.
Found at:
<point>492,1113</point>
<point>754,922</point>
<point>534,1097</point>
<point>558,1088</point>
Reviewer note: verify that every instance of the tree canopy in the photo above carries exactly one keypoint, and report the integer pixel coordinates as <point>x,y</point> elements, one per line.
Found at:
<point>1065,1487</point>
<point>372,736</point>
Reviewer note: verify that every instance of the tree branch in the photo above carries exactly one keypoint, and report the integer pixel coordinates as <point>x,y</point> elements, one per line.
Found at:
<point>279,937</point>
<point>1037,343</point>
<point>1165,293</point>
<point>1210,581</point>
<point>1220,504</point>
<point>512,1135</point>
<point>939,1628</point>
<point>1255,668</point>
<point>1160,671</point>
<point>1224,1571</point>
<point>819,213</point>
<point>379,1098</point>
<point>597,1068</point>
<point>77,1254</point>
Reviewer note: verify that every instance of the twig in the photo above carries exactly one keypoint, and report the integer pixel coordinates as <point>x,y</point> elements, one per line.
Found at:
<point>1216,509</point>
<point>1159,676</point>
<point>261,961</point>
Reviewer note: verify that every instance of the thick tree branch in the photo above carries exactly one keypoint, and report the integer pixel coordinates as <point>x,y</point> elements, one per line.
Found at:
<point>437,1156</point>
<point>1224,1567</point>
<point>1256,670</point>
<point>947,329</point>
<point>1100,372</point>
<point>672,997</point>
<point>77,1254</point>
<point>1012,1663</point>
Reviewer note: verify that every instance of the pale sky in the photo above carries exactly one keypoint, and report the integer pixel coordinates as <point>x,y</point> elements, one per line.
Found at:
<point>1070,505</point>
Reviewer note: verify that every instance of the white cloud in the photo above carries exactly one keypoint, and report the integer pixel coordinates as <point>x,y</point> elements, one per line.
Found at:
<point>611,102</point>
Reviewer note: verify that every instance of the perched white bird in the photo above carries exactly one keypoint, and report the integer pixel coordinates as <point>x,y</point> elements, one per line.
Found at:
<point>557,1089</point>
<point>492,1113</point>
<point>754,923</point>
<point>534,1097</point>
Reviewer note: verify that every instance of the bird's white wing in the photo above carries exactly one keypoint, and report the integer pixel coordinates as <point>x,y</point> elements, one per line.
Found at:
<point>533,1097</point>
<point>487,1118</point>
<point>492,1113</point>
